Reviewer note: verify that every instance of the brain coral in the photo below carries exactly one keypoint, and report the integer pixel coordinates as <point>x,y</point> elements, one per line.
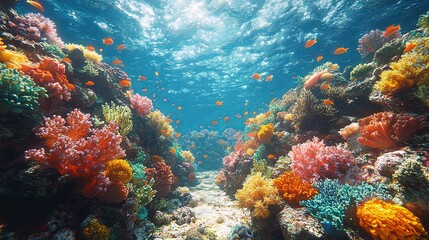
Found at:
<point>389,221</point>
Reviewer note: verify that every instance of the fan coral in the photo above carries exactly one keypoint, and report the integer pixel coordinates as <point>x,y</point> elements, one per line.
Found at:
<point>266,133</point>
<point>389,221</point>
<point>159,122</point>
<point>386,130</point>
<point>293,189</point>
<point>119,170</point>
<point>95,230</point>
<point>163,177</point>
<point>78,150</point>
<point>188,156</point>
<point>313,160</point>
<point>19,93</point>
<point>258,194</point>
<point>10,58</point>
<point>121,115</point>
<point>89,55</point>
<point>374,40</point>
<point>142,105</point>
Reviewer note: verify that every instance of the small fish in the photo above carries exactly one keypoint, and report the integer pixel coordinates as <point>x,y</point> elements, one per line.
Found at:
<point>391,30</point>
<point>169,120</point>
<point>66,60</point>
<point>179,108</point>
<point>124,83</point>
<point>267,114</point>
<point>325,86</point>
<point>199,162</point>
<point>246,103</point>
<point>108,41</point>
<point>214,122</point>
<point>310,43</point>
<point>36,5</point>
<point>90,48</point>
<point>335,66</point>
<point>177,135</point>
<point>101,50</point>
<point>120,47</point>
<point>205,156</point>
<point>226,119</point>
<point>157,74</point>
<point>118,62</point>
<point>129,94</point>
<point>271,156</point>
<point>319,58</point>
<point>410,47</point>
<point>245,113</point>
<point>90,83</point>
<point>173,150</point>
<point>177,122</point>
<point>145,90</point>
<point>340,50</point>
<point>141,77</point>
<point>328,102</point>
<point>228,148</point>
<point>269,78</point>
<point>163,131</point>
<point>219,103</point>
<point>70,86</point>
<point>192,146</point>
<point>256,76</point>
<point>250,151</point>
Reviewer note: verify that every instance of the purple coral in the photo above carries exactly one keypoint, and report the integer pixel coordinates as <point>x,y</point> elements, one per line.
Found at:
<point>36,27</point>
<point>374,40</point>
<point>142,105</point>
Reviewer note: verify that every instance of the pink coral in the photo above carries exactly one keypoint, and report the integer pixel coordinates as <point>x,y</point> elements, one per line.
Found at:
<point>73,148</point>
<point>36,27</point>
<point>142,105</point>
<point>313,160</point>
<point>231,159</point>
<point>374,40</point>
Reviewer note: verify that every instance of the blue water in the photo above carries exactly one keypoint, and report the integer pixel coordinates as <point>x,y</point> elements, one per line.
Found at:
<point>207,50</point>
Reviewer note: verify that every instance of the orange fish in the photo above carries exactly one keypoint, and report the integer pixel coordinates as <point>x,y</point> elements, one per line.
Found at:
<point>267,114</point>
<point>192,146</point>
<point>410,47</point>
<point>145,90</point>
<point>228,148</point>
<point>36,5</point>
<point>256,76</point>
<point>90,83</point>
<point>340,50</point>
<point>391,30</point>
<point>199,162</point>
<point>118,62</point>
<point>179,108</point>
<point>245,113</point>
<point>214,122</point>
<point>66,60</point>
<point>310,43</point>
<point>205,156</point>
<point>328,102</point>
<point>90,48</point>
<point>325,86</point>
<point>226,119</point>
<point>319,58</point>
<point>163,131</point>
<point>173,150</point>
<point>125,83</point>
<point>70,86</point>
<point>157,74</point>
<point>269,78</point>
<point>271,156</point>
<point>108,41</point>
<point>219,103</point>
<point>177,135</point>
<point>169,120</point>
<point>141,77</point>
<point>120,47</point>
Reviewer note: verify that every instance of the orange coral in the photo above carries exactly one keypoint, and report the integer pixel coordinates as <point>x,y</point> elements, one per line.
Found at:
<point>95,230</point>
<point>119,171</point>
<point>385,221</point>
<point>116,193</point>
<point>266,133</point>
<point>10,58</point>
<point>163,176</point>
<point>293,189</point>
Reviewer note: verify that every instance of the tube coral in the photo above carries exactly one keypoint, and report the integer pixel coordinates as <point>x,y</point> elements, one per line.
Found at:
<point>293,189</point>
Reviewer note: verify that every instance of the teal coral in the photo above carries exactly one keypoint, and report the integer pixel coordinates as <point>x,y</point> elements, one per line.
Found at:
<point>19,94</point>
<point>141,186</point>
<point>53,50</point>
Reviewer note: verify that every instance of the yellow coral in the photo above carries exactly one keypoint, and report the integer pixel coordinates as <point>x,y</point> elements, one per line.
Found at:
<point>188,156</point>
<point>119,171</point>
<point>410,70</point>
<point>160,123</point>
<point>89,55</point>
<point>95,230</point>
<point>120,115</point>
<point>10,58</point>
<point>385,221</point>
<point>293,189</point>
<point>266,133</point>
<point>257,194</point>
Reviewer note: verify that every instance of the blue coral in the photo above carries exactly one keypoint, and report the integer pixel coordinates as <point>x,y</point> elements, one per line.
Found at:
<point>335,199</point>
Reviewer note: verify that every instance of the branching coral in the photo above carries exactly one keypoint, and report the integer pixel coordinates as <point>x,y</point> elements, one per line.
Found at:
<point>73,148</point>
<point>95,230</point>
<point>163,177</point>
<point>188,156</point>
<point>293,189</point>
<point>386,221</point>
<point>11,58</point>
<point>386,130</point>
<point>313,160</point>
<point>266,133</point>
<point>19,94</point>
<point>89,55</point>
<point>159,122</point>
<point>258,194</point>
<point>140,185</point>
<point>121,115</point>
<point>142,105</point>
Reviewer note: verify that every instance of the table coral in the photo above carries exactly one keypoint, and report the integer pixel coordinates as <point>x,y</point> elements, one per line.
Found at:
<point>386,221</point>
<point>257,194</point>
<point>293,189</point>
<point>387,130</point>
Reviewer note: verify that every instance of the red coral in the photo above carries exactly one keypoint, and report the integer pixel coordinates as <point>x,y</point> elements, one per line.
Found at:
<point>163,177</point>
<point>386,130</point>
<point>116,193</point>
<point>313,160</point>
<point>78,150</point>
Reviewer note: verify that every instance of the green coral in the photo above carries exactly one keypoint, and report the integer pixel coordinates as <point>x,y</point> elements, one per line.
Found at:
<point>423,94</point>
<point>119,114</point>
<point>412,180</point>
<point>91,69</point>
<point>362,71</point>
<point>53,50</point>
<point>18,93</point>
<point>261,167</point>
<point>140,186</point>
<point>423,21</point>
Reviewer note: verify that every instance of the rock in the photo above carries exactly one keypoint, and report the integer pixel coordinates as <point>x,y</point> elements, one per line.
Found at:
<point>388,163</point>
<point>296,224</point>
<point>183,215</point>
<point>161,218</point>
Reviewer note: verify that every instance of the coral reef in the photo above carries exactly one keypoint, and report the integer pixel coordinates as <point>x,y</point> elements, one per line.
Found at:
<point>142,105</point>
<point>164,178</point>
<point>266,133</point>
<point>372,41</point>
<point>293,189</point>
<point>121,115</point>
